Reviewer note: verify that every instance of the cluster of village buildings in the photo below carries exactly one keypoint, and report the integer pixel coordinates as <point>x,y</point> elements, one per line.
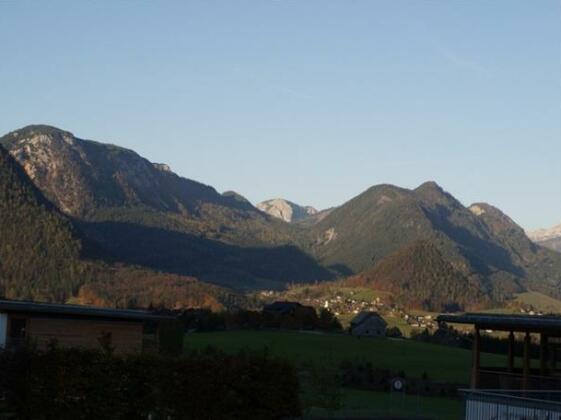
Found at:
<point>349,306</point>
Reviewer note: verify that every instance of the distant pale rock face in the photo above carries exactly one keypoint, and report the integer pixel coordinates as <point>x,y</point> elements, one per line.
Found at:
<point>545,234</point>
<point>328,236</point>
<point>550,238</point>
<point>286,210</point>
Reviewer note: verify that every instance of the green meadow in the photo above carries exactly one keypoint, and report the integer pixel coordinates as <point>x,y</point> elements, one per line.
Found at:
<point>440,363</point>
<point>412,357</point>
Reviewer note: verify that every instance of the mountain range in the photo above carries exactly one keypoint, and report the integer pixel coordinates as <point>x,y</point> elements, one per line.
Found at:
<point>113,209</point>
<point>144,214</point>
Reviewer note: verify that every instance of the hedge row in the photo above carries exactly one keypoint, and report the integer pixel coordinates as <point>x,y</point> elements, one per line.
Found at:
<point>367,377</point>
<point>82,384</point>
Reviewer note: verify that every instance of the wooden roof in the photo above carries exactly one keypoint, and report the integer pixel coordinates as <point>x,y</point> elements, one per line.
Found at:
<point>522,323</point>
<point>78,311</point>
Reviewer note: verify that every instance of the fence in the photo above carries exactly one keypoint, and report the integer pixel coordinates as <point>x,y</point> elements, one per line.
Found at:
<point>512,405</point>
<point>497,378</point>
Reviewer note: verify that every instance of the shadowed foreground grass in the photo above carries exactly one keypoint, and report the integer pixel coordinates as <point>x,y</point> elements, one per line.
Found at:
<point>366,404</point>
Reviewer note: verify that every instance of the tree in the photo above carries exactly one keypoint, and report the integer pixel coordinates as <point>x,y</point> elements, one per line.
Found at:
<point>328,321</point>
<point>394,332</point>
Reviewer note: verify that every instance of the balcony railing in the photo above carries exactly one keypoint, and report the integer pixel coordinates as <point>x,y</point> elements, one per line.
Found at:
<point>512,404</point>
<point>499,378</point>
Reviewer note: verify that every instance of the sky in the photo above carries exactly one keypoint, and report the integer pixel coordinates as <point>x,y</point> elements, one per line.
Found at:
<point>313,101</point>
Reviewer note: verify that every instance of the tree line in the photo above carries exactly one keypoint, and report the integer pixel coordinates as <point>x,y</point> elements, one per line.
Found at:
<point>305,318</point>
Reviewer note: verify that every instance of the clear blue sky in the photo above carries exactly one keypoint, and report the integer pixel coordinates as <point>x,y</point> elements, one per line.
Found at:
<point>313,101</point>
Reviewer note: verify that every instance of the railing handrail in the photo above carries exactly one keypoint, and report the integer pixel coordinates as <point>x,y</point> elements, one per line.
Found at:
<point>506,372</point>
<point>502,395</point>
<point>506,391</point>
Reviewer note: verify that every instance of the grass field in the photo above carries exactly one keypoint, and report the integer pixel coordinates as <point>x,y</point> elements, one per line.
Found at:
<point>414,358</point>
<point>404,327</point>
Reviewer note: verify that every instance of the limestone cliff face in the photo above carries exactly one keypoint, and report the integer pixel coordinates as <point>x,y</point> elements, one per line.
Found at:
<point>82,177</point>
<point>44,157</point>
<point>286,210</point>
<point>98,182</point>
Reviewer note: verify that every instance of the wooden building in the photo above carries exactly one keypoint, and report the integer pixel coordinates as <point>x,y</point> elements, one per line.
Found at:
<point>368,324</point>
<point>515,390</point>
<point>72,326</point>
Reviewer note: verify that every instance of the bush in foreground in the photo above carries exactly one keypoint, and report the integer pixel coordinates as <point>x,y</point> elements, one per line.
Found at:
<point>83,384</point>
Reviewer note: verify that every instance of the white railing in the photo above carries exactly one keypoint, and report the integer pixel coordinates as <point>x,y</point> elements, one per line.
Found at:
<point>512,405</point>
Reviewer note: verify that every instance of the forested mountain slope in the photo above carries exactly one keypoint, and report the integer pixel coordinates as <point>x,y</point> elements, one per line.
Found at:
<point>44,257</point>
<point>144,214</point>
<point>485,247</point>
<point>418,276</point>
<point>39,248</point>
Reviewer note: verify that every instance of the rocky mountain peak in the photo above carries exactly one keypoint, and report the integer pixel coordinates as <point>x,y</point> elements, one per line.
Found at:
<point>550,237</point>
<point>433,194</point>
<point>286,210</point>
<point>83,176</point>
<point>430,186</point>
<point>494,217</point>
<point>511,235</point>
<point>238,199</point>
<point>545,234</point>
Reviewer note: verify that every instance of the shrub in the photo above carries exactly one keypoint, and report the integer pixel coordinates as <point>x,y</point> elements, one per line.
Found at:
<point>394,332</point>
<point>365,376</point>
<point>170,337</point>
<point>83,384</point>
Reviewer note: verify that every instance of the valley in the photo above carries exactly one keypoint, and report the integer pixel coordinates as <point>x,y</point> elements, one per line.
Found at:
<point>280,210</point>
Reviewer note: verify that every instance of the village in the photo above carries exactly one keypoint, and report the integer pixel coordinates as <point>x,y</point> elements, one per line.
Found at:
<point>346,304</point>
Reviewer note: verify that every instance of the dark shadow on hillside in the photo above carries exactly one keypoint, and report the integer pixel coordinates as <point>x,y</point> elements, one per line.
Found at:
<point>478,251</point>
<point>233,266</point>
